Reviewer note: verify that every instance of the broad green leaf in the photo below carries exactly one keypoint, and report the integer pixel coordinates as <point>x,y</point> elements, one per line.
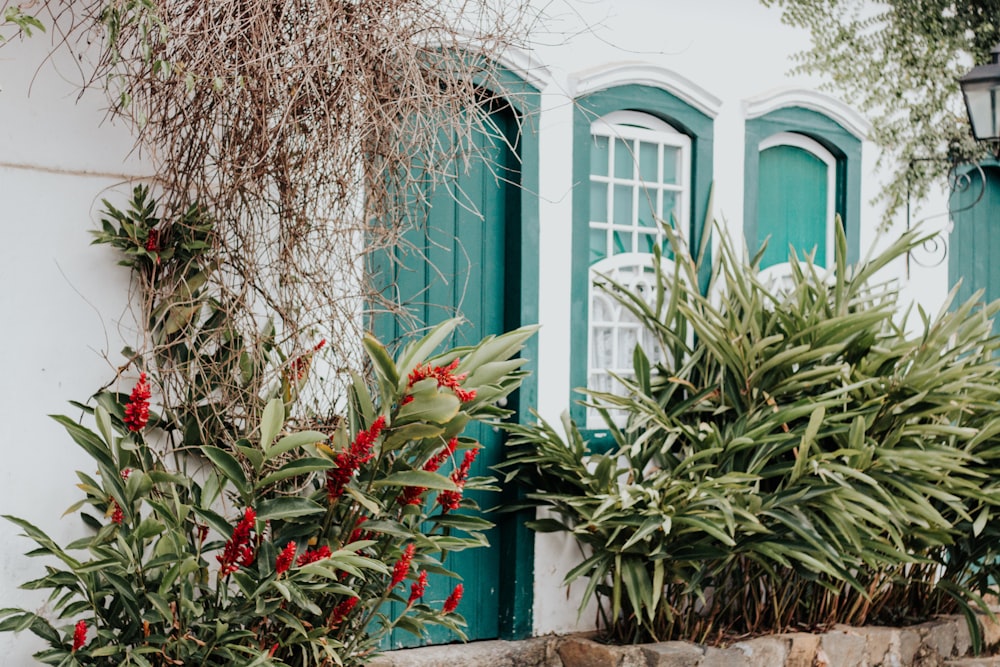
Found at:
<point>287,507</point>
<point>271,422</point>
<point>227,465</point>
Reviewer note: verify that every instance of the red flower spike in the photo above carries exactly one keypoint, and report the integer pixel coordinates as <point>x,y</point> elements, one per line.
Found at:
<point>239,549</point>
<point>445,378</point>
<point>341,611</point>
<point>449,500</point>
<point>300,365</point>
<point>452,602</point>
<point>313,555</point>
<point>357,533</point>
<point>402,566</point>
<point>417,589</point>
<point>349,460</point>
<point>153,240</point>
<point>285,558</point>
<point>117,516</point>
<point>137,408</point>
<point>411,494</point>
<point>79,635</point>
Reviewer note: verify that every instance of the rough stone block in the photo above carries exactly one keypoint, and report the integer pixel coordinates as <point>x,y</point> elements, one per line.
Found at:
<point>881,645</point>
<point>802,648</point>
<point>673,654</point>
<point>939,636</point>
<point>578,652</point>
<point>842,649</point>
<point>725,657</point>
<point>765,651</point>
<point>909,645</point>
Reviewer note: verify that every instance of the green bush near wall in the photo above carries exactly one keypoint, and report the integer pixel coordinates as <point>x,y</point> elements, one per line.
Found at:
<point>785,457</point>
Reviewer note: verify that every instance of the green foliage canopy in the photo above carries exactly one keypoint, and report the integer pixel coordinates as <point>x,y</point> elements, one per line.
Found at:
<point>899,61</point>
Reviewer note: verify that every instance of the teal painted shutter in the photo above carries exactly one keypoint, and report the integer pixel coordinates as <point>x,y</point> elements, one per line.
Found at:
<point>792,204</point>
<point>974,244</point>
<point>457,265</point>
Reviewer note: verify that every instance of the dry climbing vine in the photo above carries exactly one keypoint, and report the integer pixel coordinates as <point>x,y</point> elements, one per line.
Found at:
<point>296,137</point>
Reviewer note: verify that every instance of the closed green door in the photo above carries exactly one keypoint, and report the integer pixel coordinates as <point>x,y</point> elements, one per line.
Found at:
<point>974,243</point>
<point>458,263</point>
<point>792,204</point>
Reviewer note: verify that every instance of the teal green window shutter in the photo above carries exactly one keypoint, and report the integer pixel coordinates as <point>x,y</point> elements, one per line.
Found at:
<point>795,198</point>
<point>785,152</point>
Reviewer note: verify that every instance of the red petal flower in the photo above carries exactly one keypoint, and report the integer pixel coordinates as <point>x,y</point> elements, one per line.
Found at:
<point>285,558</point>
<point>349,460</point>
<point>341,611</point>
<point>402,567</point>
<point>452,602</point>
<point>239,549</point>
<point>417,589</point>
<point>445,378</point>
<point>313,555</point>
<point>450,500</point>
<point>79,635</point>
<point>137,408</point>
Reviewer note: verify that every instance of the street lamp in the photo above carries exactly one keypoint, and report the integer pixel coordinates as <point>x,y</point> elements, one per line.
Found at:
<point>981,88</point>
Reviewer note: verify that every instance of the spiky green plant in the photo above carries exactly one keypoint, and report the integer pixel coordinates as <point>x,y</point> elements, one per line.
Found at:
<point>798,458</point>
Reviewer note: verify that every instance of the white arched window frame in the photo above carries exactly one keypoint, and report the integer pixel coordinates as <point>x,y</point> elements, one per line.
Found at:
<point>640,177</point>
<point>780,274</point>
<point>614,331</point>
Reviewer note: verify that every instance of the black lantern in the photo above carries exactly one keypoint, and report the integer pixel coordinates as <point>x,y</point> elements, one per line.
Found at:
<point>981,88</point>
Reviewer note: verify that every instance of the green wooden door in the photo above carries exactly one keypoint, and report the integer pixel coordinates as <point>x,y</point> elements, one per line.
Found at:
<point>974,243</point>
<point>462,261</point>
<point>792,204</point>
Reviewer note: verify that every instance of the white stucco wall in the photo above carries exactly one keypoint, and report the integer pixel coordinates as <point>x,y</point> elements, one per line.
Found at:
<point>60,298</point>
<point>63,301</point>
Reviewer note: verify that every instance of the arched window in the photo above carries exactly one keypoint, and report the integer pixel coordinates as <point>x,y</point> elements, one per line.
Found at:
<point>802,172</point>
<point>642,156</point>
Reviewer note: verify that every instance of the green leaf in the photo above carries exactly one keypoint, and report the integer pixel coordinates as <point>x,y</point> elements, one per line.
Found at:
<point>285,508</point>
<point>294,468</point>
<point>434,407</point>
<point>422,478</point>
<point>271,422</point>
<point>227,465</point>
<point>294,441</point>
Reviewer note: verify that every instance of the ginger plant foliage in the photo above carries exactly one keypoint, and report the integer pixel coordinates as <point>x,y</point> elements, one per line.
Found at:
<point>794,457</point>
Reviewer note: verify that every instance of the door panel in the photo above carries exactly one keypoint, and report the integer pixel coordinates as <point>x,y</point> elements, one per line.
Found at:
<point>456,265</point>
<point>974,243</point>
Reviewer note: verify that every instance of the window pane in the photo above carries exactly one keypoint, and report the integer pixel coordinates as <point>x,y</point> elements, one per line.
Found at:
<point>647,242</point>
<point>671,164</point>
<point>624,159</point>
<point>599,156</point>
<point>598,245</point>
<point>623,242</point>
<point>671,208</point>
<point>598,202</point>
<point>647,162</point>
<point>647,206</point>
<point>623,205</point>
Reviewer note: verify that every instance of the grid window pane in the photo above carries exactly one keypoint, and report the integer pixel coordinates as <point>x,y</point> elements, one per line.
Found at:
<point>598,245</point>
<point>647,206</point>
<point>648,162</point>
<point>671,164</point>
<point>599,156</point>
<point>671,207</point>
<point>623,243</point>
<point>624,159</point>
<point>623,205</point>
<point>598,202</point>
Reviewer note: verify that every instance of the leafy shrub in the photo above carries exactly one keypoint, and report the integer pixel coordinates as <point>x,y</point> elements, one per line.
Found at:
<point>797,459</point>
<point>284,548</point>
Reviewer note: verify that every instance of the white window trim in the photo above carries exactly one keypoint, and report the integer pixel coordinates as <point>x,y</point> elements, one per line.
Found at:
<point>813,147</point>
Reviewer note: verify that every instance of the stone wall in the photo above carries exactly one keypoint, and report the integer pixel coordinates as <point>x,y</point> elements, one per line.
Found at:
<point>943,642</point>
